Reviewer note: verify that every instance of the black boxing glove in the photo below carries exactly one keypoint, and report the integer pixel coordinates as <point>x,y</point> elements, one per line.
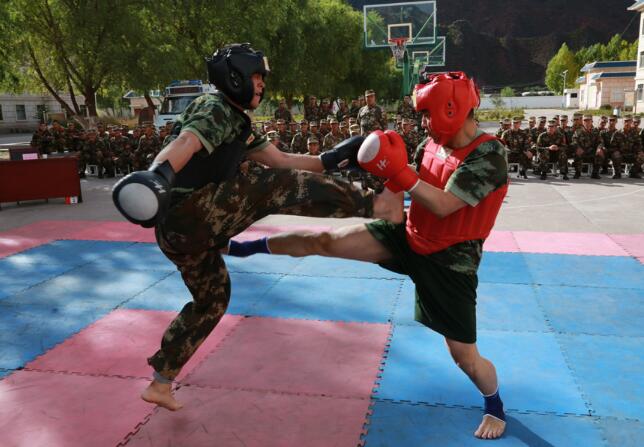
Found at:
<point>343,155</point>
<point>143,197</point>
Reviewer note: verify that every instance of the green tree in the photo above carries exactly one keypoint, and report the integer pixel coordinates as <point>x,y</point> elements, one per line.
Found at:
<point>563,60</point>
<point>508,91</point>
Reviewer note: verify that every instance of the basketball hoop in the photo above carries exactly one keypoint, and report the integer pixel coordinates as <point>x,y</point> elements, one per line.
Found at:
<point>398,46</point>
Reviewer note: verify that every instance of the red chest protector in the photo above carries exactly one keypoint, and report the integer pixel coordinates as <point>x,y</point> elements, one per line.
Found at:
<point>427,233</point>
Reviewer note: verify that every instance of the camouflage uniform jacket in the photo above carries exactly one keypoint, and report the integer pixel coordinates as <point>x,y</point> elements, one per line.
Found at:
<point>149,146</point>
<point>406,110</point>
<point>120,146</point>
<point>353,111</point>
<point>587,140</point>
<point>483,171</point>
<point>72,139</point>
<point>607,135</point>
<point>311,113</point>
<point>299,143</point>
<point>92,148</point>
<point>545,140</point>
<point>533,132</point>
<point>516,140</point>
<point>370,119</point>
<point>286,138</point>
<point>57,140</point>
<point>283,115</point>
<point>411,143</point>
<point>331,140</point>
<point>627,142</point>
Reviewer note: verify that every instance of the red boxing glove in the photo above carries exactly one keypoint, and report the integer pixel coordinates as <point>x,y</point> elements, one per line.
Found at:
<point>383,154</point>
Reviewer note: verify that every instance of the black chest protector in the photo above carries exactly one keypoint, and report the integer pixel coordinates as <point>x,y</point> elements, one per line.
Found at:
<point>221,165</point>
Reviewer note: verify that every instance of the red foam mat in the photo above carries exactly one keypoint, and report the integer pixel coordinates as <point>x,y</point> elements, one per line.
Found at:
<point>591,244</point>
<point>501,241</point>
<point>119,344</point>
<point>11,243</point>
<point>632,243</point>
<point>226,418</point>
<point>116,231</point>
<point>63,410</point>
<point>297,356</point>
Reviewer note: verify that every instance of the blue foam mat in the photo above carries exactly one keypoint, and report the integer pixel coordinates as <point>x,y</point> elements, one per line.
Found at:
<point>137,256</point>
<point>343,268</point>
<point>609,372</point>
<point>339,299</point>
<point>589,271</point>
<point>504,268</point>
<point>593,310</point>
<point>172,294</point>
<point>533,375</point>
<point>263,264</point>
<point>28,331</point>
<point>5,372</point>
<point>622,433</point>
<point>87,286</point>
<point>403,424</point>
<point>511,307</point>
<point>67,253</point>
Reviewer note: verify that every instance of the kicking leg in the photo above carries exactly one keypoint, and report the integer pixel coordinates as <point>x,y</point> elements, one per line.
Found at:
<point>482,372</point>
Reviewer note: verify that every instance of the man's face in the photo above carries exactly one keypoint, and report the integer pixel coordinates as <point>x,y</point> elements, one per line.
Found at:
<point>627,124</point>
<point>304,127</point>
<point>258,86</point>
<point>282,105</point>
<point>406,127</point>
<point>362,101</point>
<point>281,128</point>
<point>602,123</point>
<point>371,100</point>
<point>636,124</point>
<point>314,129</point>
<point>312,100</point>
<point>293,127</point>
<point>335,127</point>
<point>564,123</point>
<point>612,123</point>
<point>314,148</point>
<point>551,130</point>
<point>354,102</point>
<point>71,126</point>
<point>531,124</point>
<point>588,124</point>
<point>91,136</point>
<point>324,126</point>
<point>516,125</point>
<point>407,99</point>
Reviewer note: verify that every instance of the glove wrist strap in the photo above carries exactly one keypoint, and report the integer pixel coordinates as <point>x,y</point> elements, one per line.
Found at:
<point>165,170</point>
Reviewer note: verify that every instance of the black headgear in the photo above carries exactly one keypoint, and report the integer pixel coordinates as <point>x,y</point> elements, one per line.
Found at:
<point>230,69</point>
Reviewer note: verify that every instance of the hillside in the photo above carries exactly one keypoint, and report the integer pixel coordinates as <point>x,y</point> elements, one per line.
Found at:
<point>510,42</point>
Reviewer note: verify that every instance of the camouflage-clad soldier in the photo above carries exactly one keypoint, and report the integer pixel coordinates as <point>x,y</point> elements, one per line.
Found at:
<point>72,137</point>
<point>354,109</point>
<point>518,142</point>
<point>311,109</point>
<point>41,139</point>
<point>121,148</point>
<point>298,144</point>
<point>504,125</point>
<point>344,130</point>
<point>588,147</point>
<point>324,129</point>
<point>57,138</point>
<point>313,146</point>
<point>282,112</point>
<point>371,116</point>
<point>410,137</point>
<point>333,137</point>
<point>532,128</point>
<point>627,147</point>
<point>354,130</point>
<point>285,135</point>
<point>551,147</point>
<point>148,148</point>
<point>606,136</point>
<point>93,152</point>
<point>343,111</point>
<point>406,108</point>
<point>274,138</point>
<point>325,110</point>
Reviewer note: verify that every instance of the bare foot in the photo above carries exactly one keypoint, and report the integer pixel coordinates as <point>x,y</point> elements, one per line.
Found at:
<point>389,206</point>
<point>490,428</point>
<point>161,394</point>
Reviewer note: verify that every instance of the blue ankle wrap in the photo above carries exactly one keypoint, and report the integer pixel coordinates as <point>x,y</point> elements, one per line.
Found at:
<point>494,406</point>
<point>243,249</point>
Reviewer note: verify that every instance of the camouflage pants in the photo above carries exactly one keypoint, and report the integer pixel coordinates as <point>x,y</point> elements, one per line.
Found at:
<point>547,156</point>
<point>523,158</point>
<point>637,159</point>
<point>594,156</point>
<point>200,224</point>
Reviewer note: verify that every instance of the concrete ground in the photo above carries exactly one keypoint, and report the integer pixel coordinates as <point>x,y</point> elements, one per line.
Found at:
<point>584,205</point>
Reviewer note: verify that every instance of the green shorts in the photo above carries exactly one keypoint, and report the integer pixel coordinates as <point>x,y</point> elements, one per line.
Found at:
<point>445,299</point>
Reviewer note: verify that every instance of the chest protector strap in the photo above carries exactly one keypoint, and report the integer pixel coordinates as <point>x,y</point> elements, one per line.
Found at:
<point>426,232</point>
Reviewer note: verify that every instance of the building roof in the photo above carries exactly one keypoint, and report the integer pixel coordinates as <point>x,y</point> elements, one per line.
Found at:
<point>637,6</point>
<point>616,74</point>
<point>609,64</point>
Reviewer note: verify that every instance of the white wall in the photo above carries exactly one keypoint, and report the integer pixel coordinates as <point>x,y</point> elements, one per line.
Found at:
<point>526,102</point>
<point>10,121</point>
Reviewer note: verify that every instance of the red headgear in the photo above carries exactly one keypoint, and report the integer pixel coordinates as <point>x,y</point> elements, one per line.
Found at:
<point>448,97</point>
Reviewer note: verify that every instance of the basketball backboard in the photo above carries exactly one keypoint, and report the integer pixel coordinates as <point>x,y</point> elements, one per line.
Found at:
<point>413,20</point>
<point>432,55</point>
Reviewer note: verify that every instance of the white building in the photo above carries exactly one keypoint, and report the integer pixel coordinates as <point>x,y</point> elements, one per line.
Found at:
<point>605,83</point>
<point>638,6</point>
<point>571,98</point>
<point>21,113</point>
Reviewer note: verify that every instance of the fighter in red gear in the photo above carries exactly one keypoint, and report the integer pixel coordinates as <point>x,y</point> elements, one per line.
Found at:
<point>456,192</point>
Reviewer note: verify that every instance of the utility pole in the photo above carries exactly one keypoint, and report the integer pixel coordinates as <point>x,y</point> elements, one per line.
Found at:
<point>563,92</point>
